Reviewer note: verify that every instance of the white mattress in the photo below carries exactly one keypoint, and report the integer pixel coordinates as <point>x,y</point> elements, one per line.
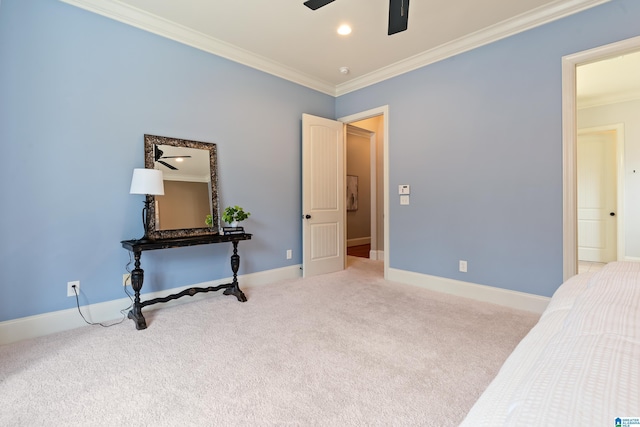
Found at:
<point>580,365</point>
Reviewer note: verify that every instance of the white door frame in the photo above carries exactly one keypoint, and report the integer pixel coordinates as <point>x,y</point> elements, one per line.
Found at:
<point>373,143</point>
<point>384,112</point>
<point>569,144</point>
<point>620,174</point>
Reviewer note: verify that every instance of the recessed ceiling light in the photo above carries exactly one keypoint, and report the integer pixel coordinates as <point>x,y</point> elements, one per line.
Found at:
<point>344,30</point>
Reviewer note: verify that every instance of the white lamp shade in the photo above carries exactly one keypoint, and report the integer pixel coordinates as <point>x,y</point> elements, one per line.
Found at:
<point>147,181</point>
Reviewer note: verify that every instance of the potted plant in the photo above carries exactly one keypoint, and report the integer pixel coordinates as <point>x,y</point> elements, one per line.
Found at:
<point>234,214</point>
<point>209,220</point>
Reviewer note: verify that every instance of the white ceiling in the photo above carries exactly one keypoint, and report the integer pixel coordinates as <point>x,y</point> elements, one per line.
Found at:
<point>287,39</point>
<point>608,81</point>
<point>193,167</point>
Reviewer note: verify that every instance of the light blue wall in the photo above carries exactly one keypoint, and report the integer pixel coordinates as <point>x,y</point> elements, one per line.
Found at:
<point>479,139</point>
<point>77,93</point>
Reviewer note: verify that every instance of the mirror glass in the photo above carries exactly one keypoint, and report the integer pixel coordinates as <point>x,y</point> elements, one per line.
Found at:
<point>189,171</point>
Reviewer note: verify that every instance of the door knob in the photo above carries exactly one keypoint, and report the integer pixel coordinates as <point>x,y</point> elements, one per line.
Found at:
<point>307,216</point>
<point>612,213</point>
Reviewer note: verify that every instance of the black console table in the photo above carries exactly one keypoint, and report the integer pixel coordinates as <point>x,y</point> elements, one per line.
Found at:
<point>137,275</point>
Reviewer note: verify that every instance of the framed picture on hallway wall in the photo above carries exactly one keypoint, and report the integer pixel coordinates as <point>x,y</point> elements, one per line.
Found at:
<point>352,193</point>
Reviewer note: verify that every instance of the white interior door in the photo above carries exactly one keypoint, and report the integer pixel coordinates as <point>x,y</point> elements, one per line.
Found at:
<point>597,196</point>
<point>323,196</point>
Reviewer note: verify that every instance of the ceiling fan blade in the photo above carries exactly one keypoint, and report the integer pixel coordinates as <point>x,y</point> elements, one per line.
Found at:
<point>168,165</point>
<point>175,157</point>
<point>398,16</point>
<point>317,4</point>
<point>157,153</point>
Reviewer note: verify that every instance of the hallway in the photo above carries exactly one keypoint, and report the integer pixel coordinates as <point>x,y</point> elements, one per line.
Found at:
<point>361,251</point>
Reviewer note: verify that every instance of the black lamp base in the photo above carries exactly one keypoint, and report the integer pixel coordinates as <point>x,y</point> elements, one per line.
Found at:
<point>145,221</point>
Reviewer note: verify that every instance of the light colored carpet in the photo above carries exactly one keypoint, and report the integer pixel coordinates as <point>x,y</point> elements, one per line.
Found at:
<point>344,349</point>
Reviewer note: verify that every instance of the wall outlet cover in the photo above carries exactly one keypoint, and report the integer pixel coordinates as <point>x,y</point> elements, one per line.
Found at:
<point>70,291</point>
<point>463,266</point>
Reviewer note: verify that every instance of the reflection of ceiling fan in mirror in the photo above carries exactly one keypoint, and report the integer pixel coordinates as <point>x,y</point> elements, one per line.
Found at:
<point>158,155</point>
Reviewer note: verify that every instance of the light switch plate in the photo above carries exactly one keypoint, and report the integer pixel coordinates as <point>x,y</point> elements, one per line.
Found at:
<point>404,200</point>
<point>404,189</point>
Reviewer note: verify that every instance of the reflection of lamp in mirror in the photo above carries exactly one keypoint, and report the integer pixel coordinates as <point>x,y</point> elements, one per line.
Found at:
<point>149,182</point>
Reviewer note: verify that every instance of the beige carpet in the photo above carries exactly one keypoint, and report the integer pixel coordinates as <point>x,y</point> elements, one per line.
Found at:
<point>344,349</point>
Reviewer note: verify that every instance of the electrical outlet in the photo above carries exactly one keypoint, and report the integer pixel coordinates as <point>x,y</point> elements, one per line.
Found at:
<point>463,266</point>
<point>289,254</point>
<point>126,279</point>
<point>70,290</point>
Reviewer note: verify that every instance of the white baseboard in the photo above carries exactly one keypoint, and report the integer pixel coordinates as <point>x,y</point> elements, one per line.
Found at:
<point>109,312</point>
<point>376,255</point>
<point>513,299</point>
<point>358,241</point>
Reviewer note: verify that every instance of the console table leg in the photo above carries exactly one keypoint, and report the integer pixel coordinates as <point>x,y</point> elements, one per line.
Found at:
<point>235,266</point>
<point>137,277</point>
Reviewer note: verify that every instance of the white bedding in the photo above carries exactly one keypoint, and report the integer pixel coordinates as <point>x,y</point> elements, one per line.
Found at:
<point>580,365</point>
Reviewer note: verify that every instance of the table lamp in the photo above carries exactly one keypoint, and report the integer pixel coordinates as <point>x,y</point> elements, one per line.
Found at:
<point>148,182</point>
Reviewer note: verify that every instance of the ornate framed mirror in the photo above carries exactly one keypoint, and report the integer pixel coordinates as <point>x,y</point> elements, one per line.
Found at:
<point>190,176</point>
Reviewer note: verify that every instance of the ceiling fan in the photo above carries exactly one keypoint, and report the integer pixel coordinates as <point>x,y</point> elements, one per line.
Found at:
<point>398,13</point>
<point>158,155</point>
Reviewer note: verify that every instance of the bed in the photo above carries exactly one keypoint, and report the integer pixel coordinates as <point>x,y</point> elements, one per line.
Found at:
<point>580,364</point>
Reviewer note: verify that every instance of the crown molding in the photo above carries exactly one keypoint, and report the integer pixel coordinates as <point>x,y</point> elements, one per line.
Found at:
<point>140,19</point>
<point>607,99</point>
<point>157,25</point>
<point>502,30</point>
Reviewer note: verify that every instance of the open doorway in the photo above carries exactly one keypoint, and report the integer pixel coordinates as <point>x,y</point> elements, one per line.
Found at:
<point>361,206</point>
<point>372,129</point>
<point>575,117</point>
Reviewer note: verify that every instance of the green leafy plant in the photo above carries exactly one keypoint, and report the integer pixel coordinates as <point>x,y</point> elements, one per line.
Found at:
<point>234,213</point>
<point>209,220</point>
